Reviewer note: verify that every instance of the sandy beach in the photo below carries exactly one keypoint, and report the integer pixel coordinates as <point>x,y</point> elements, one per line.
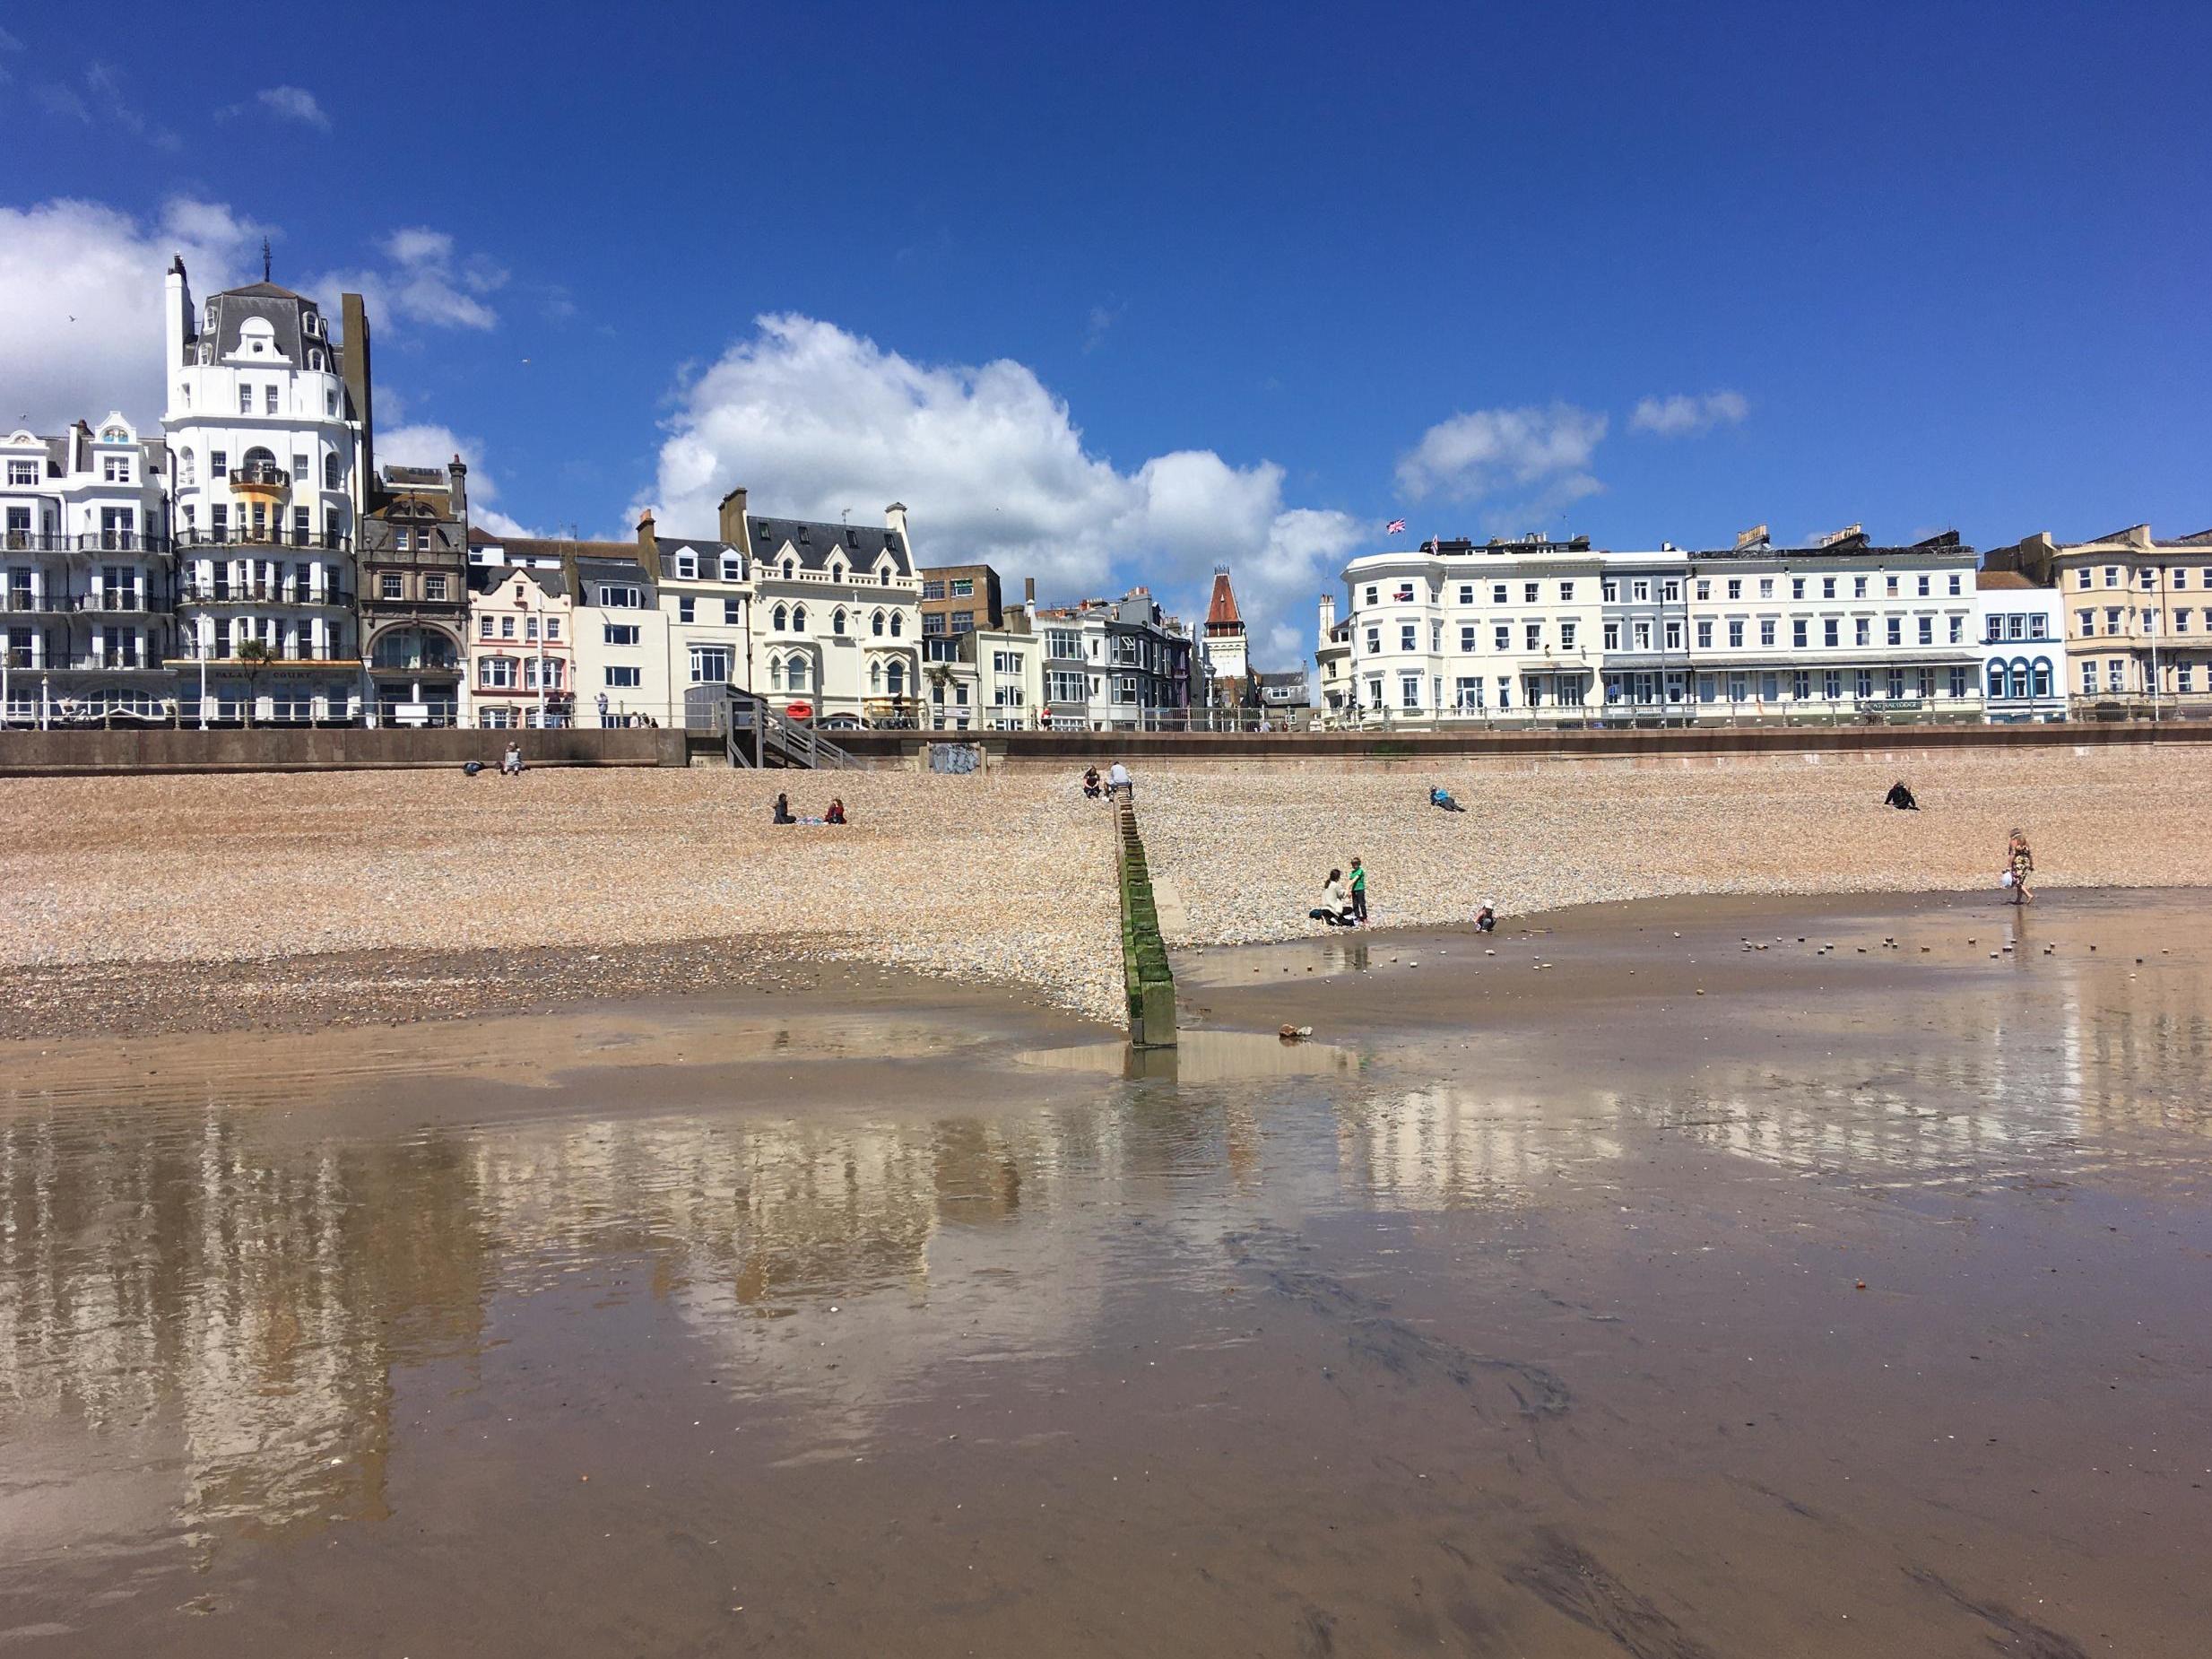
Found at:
<point>197,902</point>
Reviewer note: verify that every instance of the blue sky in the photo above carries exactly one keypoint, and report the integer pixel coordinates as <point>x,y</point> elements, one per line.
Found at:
<point>1112,296</point>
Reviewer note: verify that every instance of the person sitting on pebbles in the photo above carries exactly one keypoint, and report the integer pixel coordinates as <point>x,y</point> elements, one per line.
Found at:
<point>1486,919</point>
<point>1092,789</point>
<point>835,814</point>
<point>1899,798</point>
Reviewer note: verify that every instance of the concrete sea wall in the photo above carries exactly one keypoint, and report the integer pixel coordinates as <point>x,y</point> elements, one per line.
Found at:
<point>319,750</point>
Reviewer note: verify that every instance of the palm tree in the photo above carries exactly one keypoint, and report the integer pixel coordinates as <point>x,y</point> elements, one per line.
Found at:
<point>256,657</point>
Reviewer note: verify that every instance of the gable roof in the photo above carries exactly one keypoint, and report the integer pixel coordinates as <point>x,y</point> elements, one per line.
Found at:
<point>491,578</point>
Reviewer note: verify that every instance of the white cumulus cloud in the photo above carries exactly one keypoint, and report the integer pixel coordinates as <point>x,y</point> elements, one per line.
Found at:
<point>814,421</point>
<point>422,280</point>
<point>293,103</point>
<point>80,302</point>
<point>1543,454</point>
<point>1682,416</point>
<point>427,444</point>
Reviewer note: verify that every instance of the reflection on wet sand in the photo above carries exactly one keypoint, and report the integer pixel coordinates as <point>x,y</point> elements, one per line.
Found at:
<point>254,1326</point>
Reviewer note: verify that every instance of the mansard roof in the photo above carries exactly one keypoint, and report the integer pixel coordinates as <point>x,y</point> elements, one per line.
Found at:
<point>814,544</point>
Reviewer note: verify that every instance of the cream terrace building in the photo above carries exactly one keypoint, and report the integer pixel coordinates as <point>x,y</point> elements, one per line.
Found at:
<point>836,623</point>
<point>2138,617</point>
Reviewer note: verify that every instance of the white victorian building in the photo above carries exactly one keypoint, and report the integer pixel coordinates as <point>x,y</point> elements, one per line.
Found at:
<point>86,582</point>
<point>1454,630</point>
<point>267,419</point>
<point>2022,629</point>
<point>1537,631</point>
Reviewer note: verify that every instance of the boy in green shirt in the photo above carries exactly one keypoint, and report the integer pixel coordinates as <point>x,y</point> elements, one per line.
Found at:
<point>1359,893</point>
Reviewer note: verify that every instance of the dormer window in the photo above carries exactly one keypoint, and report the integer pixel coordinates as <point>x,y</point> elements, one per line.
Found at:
<point>791,567</point>
<point>837,573</point>
<point>733,567</point>
<point>687,566</point>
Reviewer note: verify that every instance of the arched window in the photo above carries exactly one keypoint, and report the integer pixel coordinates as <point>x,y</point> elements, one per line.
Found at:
<point>876,625</point>
<point>836,620</point>
<point>1997,680</point>
<point>836,572</point>
<point>2020,678</point>
<point>875,676</point>
<point>2042,677</point>
<point>776,674</point>
<point>883,574</point>
<point>259,456</point>
<point>897,678</point>
<point>790,566</point>
<point>330,471</point>
<point>782,619</point>
<point>897,625</point>
<point>798,674</point>
<point>188,469</point>
<point>798,619</point>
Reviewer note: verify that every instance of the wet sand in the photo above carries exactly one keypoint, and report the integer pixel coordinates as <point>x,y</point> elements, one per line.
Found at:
<point>1520,1312</point>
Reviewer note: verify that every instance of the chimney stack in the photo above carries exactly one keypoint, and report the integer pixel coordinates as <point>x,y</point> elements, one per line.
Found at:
<point>734,517</point>
<point>361,387</point>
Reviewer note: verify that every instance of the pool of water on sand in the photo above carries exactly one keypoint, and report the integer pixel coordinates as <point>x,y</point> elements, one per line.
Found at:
<point>1674,1298</point>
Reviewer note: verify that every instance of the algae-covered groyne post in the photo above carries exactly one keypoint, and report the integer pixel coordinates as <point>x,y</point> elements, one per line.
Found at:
<point>1145,973</point>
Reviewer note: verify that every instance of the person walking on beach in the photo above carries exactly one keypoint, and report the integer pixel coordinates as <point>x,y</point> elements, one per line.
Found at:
<point>1359,893</point>
<point>2020,863</point>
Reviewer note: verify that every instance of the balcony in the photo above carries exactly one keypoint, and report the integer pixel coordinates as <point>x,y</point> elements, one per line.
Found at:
<point>82,664</point>
<point>265,593</point>
<point>116,601</point>
<point>272,535</point>
<point>21,602</point>
<point>94,542</point>
<point>260,477</point>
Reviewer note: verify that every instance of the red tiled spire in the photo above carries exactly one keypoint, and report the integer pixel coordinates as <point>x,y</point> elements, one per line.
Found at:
<point>1222,616</point>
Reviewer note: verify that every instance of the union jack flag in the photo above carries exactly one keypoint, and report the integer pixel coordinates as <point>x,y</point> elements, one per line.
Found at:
<point>1396,527</point>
